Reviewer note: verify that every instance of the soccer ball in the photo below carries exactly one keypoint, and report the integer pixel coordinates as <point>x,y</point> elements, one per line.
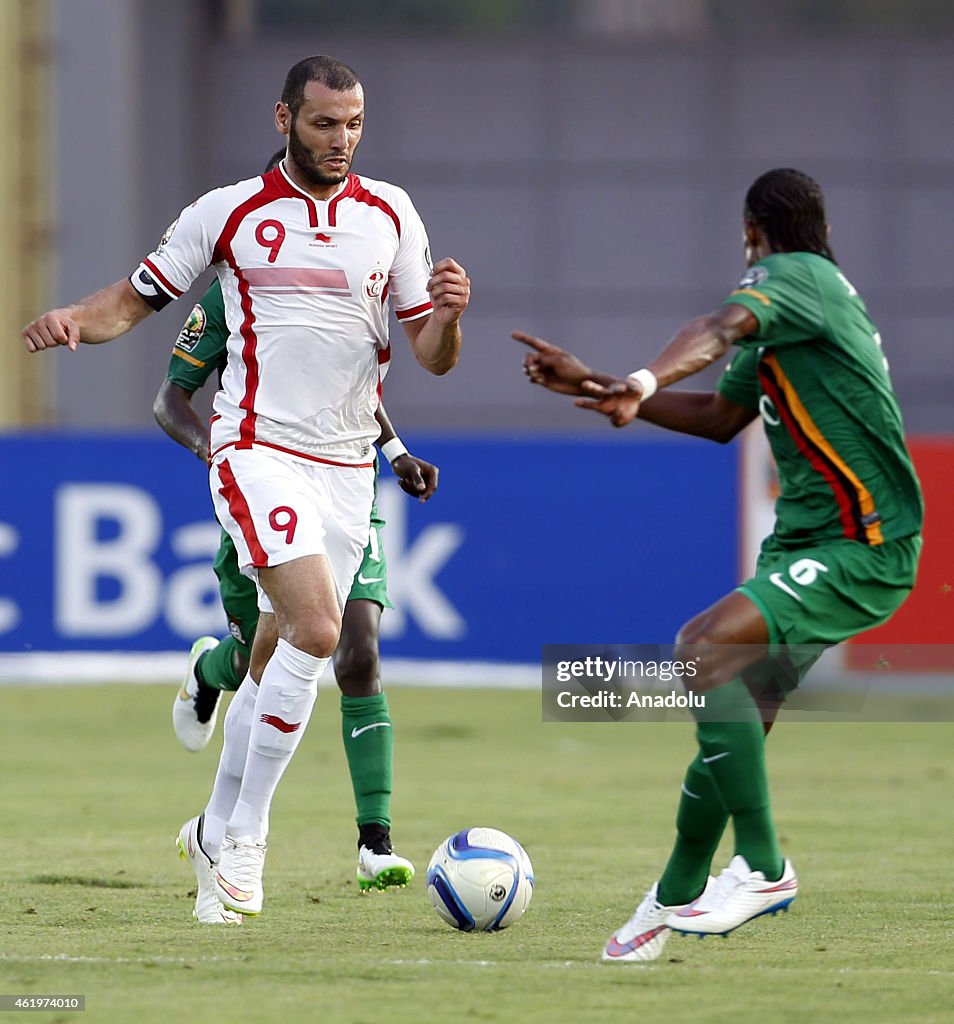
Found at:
<point>480,879</point>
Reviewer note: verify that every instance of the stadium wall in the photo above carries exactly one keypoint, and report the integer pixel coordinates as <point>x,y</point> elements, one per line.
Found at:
<point>592,187</point>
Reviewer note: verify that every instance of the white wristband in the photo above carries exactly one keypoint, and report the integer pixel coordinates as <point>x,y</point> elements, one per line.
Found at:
<point>646,379</point>
<point>393,449</point>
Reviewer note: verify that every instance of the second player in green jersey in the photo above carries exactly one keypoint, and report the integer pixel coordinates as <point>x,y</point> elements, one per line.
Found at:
<point>841,559</point>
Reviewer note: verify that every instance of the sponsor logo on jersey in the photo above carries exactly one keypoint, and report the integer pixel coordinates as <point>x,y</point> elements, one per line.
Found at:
<point>374,283</point>
<point>428,262</point>
<point>756,275</point>
<point>192,329</point>
<point>768,411</point>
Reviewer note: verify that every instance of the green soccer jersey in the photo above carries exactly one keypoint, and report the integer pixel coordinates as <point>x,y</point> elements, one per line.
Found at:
<point>200,349</point>
<point>815,372</point>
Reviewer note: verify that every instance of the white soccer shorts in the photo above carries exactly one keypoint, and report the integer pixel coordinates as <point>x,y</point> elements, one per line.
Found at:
<point>277,509</point>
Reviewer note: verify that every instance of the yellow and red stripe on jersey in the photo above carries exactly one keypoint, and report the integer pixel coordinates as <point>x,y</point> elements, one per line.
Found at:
<point>856,506</point>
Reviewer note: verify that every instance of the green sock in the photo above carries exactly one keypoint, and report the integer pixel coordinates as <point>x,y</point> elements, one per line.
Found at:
<point>700,822</point>
<point>216,668</point>
<point>732,747</point>
<point>369,743</point>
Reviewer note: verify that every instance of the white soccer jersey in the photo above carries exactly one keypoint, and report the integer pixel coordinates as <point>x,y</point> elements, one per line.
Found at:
<point>306,285</point>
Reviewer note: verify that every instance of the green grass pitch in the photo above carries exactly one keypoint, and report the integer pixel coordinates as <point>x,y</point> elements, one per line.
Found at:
<point>93,899</point>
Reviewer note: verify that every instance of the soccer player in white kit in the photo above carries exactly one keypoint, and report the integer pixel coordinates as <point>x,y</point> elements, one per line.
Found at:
<point>309,256</point>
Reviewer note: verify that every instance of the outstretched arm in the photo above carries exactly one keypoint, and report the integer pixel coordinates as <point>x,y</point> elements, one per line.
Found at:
<point>702,414</point>
<point>100,317</point>
<point>436,339</point>
<point>697,345</point>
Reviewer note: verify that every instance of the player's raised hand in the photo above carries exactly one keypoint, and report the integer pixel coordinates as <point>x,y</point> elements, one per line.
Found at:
<point>449,289</point>
<point>51,329</point>
<point>416,477</point>
<point>551,367</point>
<point>619,400</point>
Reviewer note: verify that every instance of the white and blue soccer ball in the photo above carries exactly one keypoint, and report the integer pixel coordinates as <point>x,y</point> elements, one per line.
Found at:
<point>480,880</point>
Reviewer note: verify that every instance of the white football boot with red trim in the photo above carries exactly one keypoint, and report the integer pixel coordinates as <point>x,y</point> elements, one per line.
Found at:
<point>645,934</point>
<point>738,895</point>
<point>237,879</point>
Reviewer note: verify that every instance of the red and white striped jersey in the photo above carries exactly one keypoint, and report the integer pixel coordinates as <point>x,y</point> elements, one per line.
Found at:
<point>306,285</point>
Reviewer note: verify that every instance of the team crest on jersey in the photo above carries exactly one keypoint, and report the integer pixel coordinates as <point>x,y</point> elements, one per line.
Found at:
<point>428,262</point>
<point>166,235</point>
<point>755,276</point>
<point>374,283</point>
<point>192,329</point>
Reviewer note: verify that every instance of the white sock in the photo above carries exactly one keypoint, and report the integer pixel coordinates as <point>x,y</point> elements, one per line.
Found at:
<point>286,696</point>
<point>228,777</point>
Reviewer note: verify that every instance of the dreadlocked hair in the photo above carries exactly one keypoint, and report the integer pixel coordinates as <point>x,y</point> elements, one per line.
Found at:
<point>790,208</point>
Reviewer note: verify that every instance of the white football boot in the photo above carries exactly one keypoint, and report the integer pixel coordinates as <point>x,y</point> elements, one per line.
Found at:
<point>208,908</point>
<point>739,895</point>
<point>238,876</point>
<point>645,934</point>
<point>192,733</point>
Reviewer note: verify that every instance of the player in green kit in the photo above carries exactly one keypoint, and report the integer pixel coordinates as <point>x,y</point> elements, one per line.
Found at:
<point>214,666</point>
<point>841,559</point>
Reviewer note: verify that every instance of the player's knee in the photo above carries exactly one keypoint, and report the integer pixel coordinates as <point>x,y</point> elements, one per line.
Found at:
<point>695,636</point>
<point>698,643</point>
<point>317,636</point>
<point>357,668</point>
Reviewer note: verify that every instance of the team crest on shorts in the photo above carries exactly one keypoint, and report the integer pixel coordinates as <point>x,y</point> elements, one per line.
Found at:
<point>192,329</point>
<point>755,276</point>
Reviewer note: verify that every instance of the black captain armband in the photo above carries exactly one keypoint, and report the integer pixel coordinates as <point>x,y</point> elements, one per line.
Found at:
<point>145,285</point>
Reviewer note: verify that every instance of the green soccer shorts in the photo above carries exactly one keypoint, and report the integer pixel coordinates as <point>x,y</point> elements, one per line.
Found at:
<point>238,594</point>
<point>371,579</point>
<point>815,596</point>
<point>240,598</point>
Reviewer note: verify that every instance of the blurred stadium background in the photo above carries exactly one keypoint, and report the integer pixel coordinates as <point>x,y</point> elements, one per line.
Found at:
<point>586,161</point>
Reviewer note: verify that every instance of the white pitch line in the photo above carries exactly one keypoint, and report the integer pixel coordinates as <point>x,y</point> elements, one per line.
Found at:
<point>548,965</point>
<point>87,668</point>
<point>66,958</point>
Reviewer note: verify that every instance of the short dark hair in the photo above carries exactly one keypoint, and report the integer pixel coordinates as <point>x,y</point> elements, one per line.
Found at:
<point>329,72</point>
<point>789,207</point>
<point>274,160</point>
